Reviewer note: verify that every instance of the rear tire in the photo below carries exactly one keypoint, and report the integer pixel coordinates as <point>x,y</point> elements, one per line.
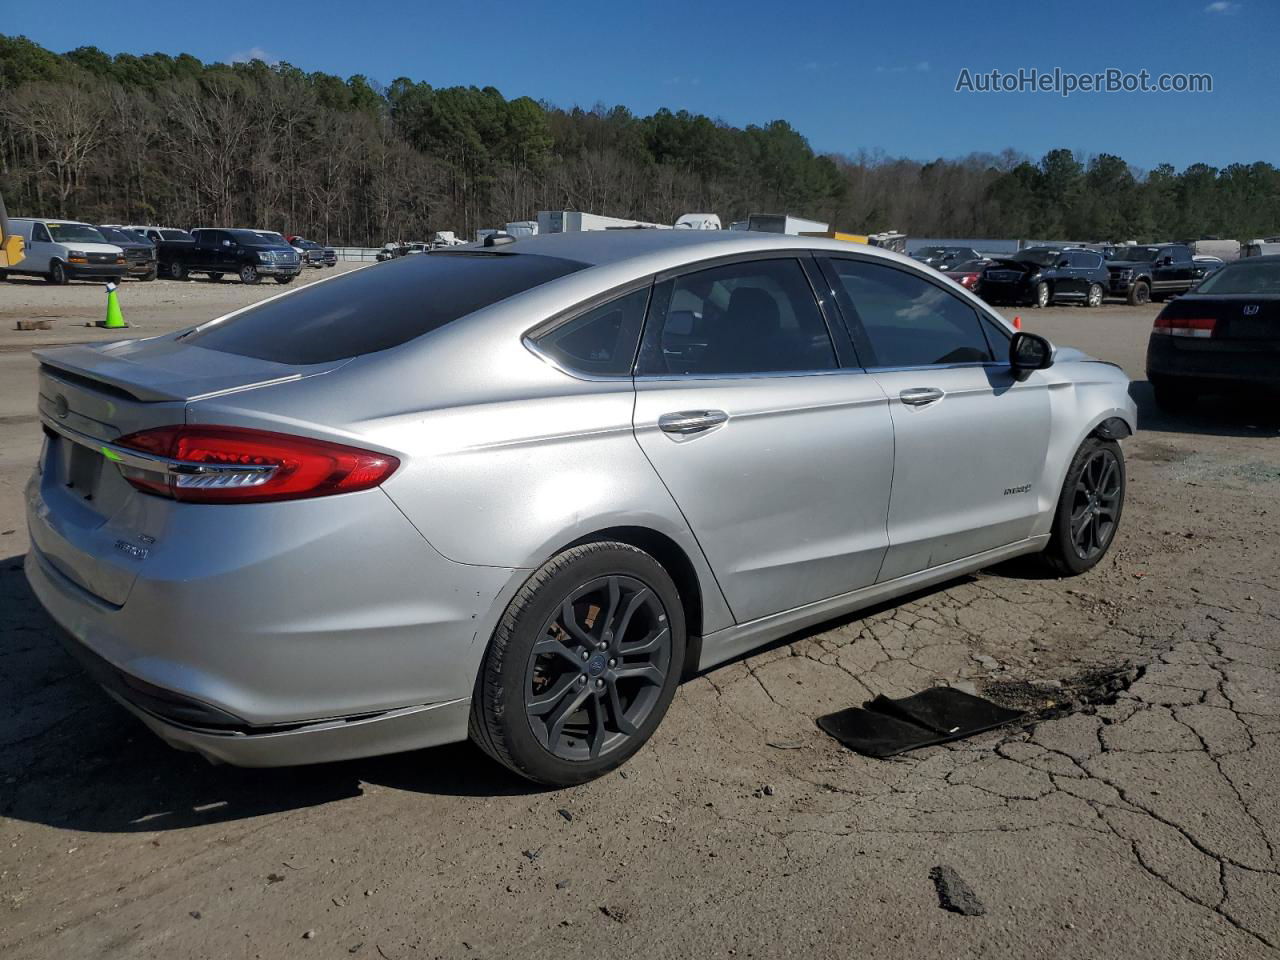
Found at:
<point>249,274</point>
<point>1044,295</point>
<point>177,271</point>
<point>1089,508</point>
<point>582,667</point>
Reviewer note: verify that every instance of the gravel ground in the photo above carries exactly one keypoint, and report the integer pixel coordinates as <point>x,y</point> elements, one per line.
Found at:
<point>1141,820</point>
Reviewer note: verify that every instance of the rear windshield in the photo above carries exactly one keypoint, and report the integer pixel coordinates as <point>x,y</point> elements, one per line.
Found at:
<point>377,307</point>
<point>1262,277</point>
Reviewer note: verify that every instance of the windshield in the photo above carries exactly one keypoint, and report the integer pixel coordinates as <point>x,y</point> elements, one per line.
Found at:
<point>74,233</point>
<point>1140,254</point>
<point>116,235</point>
<point>378,307</point>
<point>1261,277</point>
<point>175,235</point>
<point>271,237</point>
<point>1041,258</point>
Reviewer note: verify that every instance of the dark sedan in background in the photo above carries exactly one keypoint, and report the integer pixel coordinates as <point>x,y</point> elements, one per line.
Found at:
<point>968,274</point>
<point>1224,335</point>
<point>1044,275</point>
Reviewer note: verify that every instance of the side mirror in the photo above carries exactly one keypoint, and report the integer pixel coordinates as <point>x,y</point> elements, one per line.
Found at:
<point>1027,352</point>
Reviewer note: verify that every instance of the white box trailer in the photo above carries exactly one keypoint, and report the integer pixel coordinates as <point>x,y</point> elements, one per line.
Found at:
<point>574,221</point>
<point>523,228</point>
<point>785,223</point>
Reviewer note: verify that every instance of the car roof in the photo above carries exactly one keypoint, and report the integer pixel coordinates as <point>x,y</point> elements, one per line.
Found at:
<point>678,247</point>
<point>51,220</point>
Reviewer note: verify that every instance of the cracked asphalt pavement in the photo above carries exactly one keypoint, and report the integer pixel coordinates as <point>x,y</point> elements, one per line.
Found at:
<point>1139,820</point>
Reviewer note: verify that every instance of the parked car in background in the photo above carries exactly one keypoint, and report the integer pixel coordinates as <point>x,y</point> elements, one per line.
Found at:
<point>63,250</point>
<point>945,258</point>
<point>1210,265</point>
<point>1222,336</point>
<point>389,251</point>
<point>217,252</point>
<point>1144,272</point>
<point>172,245</point>
<point>1262,247</point>
<point>968,273</point>
<point>335,523</point>
<point>139,252</point>
<point>314,254</point>
<point>1044,275</point>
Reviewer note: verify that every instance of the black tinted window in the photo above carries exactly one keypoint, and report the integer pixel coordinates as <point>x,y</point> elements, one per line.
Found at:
<point>908,321</point>
<point>601,341</point>
<point>377,307</point>
<point>753,317</point>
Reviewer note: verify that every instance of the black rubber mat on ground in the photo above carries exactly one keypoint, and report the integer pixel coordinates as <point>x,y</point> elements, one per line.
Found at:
<point>885,728</point>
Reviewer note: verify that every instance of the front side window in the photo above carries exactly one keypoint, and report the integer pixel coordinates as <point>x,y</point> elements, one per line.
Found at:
<point>602,341</point>
<point>753,317</point>
<point>39,234</point>
<point>906,320</point>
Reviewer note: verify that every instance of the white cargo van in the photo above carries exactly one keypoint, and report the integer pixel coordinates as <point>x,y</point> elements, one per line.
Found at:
<point>62,250</point>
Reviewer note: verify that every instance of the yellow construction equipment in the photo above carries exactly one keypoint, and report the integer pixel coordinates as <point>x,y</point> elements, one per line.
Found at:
<point>10,244</point>
<point>889,240</point>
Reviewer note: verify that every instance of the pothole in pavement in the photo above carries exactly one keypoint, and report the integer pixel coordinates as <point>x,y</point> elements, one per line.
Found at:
<point>1045,700</point>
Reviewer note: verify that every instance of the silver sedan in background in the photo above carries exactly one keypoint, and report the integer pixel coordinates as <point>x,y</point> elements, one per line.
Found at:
<point>515,492</point>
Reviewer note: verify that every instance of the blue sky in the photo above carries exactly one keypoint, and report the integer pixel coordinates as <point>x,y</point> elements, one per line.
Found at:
<point>848,75</point>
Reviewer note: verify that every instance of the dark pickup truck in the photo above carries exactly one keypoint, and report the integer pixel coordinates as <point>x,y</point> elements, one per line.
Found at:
<point>216,252</point>
<point>1156,272</point>
<point>139,252</point>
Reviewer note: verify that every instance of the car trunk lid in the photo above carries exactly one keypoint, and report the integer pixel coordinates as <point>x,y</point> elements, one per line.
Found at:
<point>89,523</point>
<point>1240,321</point>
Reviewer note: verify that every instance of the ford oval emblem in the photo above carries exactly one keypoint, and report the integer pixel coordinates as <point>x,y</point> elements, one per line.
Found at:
<point>60,407</point>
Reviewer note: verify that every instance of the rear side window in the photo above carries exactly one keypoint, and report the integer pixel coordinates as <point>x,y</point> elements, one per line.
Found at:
<point>753,317</point>
<point>378,307</point>
<point>602,341</point>
<point>908,321</point>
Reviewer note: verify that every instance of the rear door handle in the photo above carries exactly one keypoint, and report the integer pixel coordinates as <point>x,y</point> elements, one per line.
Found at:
<point>919,396</point>
<point>691,421</point>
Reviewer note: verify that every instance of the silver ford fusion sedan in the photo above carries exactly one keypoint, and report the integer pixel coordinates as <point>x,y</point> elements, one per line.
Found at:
<point>514,492</point>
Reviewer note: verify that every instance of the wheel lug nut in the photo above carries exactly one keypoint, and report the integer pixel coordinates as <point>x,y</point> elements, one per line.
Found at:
<point>582,678</point>
<point>602,646</point>
<point>599,684</point>
<point>585,654</point>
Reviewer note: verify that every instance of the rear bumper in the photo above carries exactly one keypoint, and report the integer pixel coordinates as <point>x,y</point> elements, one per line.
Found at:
<point>1241,363</point>
<point>292,636</point>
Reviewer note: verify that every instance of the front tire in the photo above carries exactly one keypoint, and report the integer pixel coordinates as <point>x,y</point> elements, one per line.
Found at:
<point>1139,294</point>
<point>249,274</point>
<point>1089,508</point>
<point>285,279</point>
<point>1094,297</point>
<point>57,274</point>
<point>582,667</point>
<point>177,271</point>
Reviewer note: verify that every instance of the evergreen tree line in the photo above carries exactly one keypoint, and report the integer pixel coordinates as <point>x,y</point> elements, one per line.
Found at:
<point>174,141</point>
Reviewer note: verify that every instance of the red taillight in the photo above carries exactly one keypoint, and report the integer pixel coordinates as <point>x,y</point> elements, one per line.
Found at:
<point>242,465</point>
<point>1185,326</point>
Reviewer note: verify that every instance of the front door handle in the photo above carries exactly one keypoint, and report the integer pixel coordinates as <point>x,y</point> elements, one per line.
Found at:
<point>691,421</point>
<point>919,396</point>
